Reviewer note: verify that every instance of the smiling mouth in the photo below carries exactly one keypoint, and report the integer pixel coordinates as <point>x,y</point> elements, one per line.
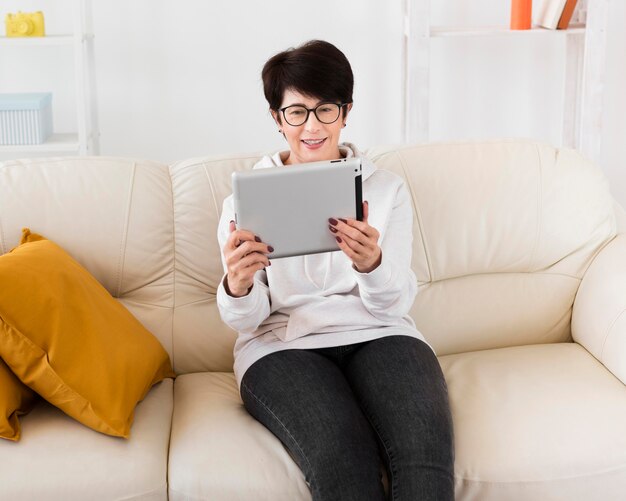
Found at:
<point>313,142</point>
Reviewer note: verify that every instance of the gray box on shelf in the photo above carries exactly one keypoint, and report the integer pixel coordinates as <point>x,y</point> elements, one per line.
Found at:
<point>25,118</point>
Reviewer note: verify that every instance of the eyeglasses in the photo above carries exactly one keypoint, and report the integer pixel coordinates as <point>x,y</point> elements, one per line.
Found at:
<point>327,113</point>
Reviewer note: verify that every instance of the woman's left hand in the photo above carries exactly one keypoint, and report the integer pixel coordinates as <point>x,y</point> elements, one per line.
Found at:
<point>358,240</point>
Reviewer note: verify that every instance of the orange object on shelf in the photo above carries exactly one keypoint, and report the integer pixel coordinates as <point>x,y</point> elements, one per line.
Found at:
<point>566,16</point>
<point>521,11</point>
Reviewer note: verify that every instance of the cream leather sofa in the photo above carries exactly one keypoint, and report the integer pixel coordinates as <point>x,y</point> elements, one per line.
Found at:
<point>521,257</point>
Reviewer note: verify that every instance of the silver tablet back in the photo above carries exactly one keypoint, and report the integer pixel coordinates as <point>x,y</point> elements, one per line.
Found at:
<point>288,207</point>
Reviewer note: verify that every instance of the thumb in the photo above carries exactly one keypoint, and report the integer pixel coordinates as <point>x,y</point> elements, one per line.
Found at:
<point>366,211</point>
<point>232,226</point>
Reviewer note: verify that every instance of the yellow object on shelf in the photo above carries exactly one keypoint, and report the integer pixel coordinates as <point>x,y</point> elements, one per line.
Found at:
<point>25,24</point>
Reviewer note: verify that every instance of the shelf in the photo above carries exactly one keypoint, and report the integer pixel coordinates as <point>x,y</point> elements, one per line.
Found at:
<point>583,46</point>
<point>48,40</point>
<point>56,142</point>
<point>80,40</point>
<point>473,31</point>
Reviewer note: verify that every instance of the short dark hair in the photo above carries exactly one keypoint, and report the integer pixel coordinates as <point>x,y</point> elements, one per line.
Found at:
<point>316,68</point>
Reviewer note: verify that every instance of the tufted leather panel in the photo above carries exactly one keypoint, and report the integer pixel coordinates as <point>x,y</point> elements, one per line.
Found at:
<point>113,215</point>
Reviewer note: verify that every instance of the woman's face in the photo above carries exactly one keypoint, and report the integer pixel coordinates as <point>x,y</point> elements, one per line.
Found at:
<point>313,140</point>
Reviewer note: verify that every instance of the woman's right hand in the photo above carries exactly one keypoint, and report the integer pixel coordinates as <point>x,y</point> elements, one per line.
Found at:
<point>244,254</point>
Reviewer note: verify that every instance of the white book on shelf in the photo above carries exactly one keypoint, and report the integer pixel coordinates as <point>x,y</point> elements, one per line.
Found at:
<point>548,13</point>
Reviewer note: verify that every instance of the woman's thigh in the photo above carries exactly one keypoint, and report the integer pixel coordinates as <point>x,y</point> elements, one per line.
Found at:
<point>401,389</point>
<point>303,398</point>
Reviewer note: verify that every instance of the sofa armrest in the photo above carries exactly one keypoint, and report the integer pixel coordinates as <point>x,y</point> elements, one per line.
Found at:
<point>599,313</point>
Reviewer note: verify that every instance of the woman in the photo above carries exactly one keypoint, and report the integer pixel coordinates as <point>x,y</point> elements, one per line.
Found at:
<point>327,357</point>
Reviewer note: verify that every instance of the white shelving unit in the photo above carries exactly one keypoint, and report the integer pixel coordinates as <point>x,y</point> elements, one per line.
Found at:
<point>85,141</point>
<point>583,79</point>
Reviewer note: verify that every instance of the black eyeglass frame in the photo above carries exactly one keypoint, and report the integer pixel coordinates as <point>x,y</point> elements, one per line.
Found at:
<point>314,110</point>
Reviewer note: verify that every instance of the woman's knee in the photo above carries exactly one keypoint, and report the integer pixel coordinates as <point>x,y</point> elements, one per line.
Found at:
<point>418,426</point>
<point>339,460</point>
<point>324,430</point>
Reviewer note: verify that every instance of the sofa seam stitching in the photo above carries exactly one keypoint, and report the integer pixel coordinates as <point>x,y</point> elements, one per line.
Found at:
<point>122,256</point>
<point>505,482</point>
<point>539,209</point>
<point>609,330</point>
<point>416,212</point>
<point>211,186</point>
<point>145,303</point>
<point>595,254</point>
<point>197,301</point>
<point>142,494</point>
<point>482,273</point>
<point>174,249</point>
<point>60,160</point>
<point>174,271</point>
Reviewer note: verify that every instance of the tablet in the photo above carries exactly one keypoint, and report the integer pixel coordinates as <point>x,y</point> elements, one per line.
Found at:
<point>288,207</point>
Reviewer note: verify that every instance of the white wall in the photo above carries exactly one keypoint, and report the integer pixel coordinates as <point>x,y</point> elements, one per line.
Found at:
<point>192,76</point>
<point>614,113</point>
<point>182,79</point>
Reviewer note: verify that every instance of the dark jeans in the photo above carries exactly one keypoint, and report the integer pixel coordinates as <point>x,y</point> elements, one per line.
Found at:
<point>340,410</point>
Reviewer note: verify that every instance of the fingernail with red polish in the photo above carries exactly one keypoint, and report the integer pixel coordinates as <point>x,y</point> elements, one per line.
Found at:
<point>338,239</point>
<point>257,238</point>
<point>343,220</point>
<point>270,248</point>
<point>332,221</point>
<point>334,230</point>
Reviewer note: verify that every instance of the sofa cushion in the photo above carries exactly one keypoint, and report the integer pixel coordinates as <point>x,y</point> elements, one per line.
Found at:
<point>15,399</point>
<point>199,187</point>
<point>65,337</point>
<point>504,226</point>
<point>59,459</point>
<point>219,452</point>
<point>554,405</point>
<point>536,420</point>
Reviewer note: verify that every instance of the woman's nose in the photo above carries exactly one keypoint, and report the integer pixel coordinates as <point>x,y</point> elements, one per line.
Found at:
<point>312,124</point>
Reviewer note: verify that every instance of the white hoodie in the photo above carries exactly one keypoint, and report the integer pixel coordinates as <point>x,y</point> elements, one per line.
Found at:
<point>320,300</point>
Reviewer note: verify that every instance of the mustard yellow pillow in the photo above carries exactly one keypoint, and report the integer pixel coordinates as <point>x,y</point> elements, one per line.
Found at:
<point>15,399</point>
<point>63,335</point>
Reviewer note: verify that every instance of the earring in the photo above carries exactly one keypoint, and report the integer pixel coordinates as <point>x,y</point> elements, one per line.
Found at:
<point>344,124</point>
<point>280,131</point>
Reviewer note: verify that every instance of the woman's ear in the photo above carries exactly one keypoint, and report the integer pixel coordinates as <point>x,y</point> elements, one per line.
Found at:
<point>276,117</point>
<point>346,109</point>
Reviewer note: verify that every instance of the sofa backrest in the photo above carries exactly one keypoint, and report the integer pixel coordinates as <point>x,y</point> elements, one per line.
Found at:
<point>201,340</point>
<point>113,215</point>
<point>503,232</point>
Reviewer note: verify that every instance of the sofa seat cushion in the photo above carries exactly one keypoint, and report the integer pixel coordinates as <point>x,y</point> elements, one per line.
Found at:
<point>536,422</point>
<point>219,452</point>
<point>556,406</point>
<point>60,459</point>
